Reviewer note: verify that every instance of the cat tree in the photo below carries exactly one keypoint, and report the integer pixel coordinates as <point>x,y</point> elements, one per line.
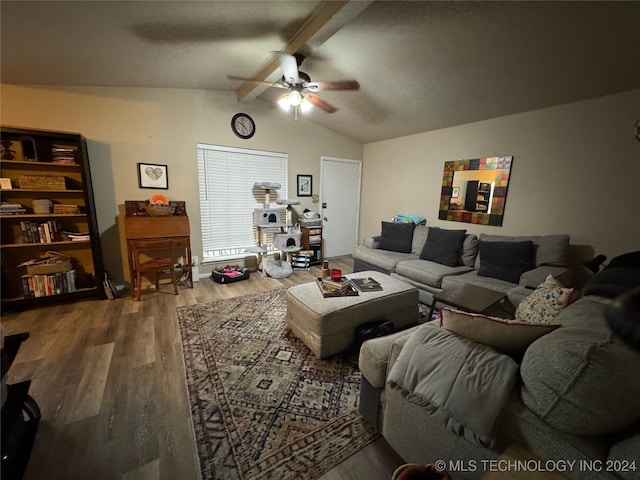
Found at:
<point>287,240</point>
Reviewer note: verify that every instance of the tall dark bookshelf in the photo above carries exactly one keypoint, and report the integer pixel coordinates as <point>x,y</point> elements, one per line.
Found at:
<point>49,165</point>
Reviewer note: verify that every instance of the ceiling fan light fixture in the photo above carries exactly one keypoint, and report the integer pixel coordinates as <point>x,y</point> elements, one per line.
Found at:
<point>305,105</point>
<point>294,98</point>
<point>284,102</point>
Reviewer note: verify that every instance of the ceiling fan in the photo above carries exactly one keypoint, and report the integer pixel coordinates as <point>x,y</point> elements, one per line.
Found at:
<point>301,91</point>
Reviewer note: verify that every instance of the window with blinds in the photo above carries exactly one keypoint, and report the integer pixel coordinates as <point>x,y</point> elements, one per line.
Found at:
<point>227,198</point>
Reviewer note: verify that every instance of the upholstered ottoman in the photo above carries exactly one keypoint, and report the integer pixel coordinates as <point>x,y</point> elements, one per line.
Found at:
<point>327,325</point>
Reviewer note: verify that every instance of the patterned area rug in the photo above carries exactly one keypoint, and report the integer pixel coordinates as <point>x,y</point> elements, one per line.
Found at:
<point>262,405</point>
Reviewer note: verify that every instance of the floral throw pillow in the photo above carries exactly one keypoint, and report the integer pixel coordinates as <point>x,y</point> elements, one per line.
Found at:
<point>545,303</point>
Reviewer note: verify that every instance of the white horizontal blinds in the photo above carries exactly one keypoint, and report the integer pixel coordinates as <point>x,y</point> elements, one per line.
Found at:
<point>227,198</point>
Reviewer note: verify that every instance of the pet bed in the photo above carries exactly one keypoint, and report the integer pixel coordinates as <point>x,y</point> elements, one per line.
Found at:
<point>229,274</point>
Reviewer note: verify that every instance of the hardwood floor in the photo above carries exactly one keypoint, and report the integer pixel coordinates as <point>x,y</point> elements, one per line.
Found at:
<point>109,379</point>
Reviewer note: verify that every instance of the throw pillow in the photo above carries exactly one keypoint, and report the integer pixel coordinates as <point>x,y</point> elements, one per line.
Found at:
<point>628,260</point>
<point>545,302</point>
<point>511,337</point>
<point>469,250</point>
<point>505,260</point>
<point>611,282</point>
<point>443,246</point>
<point>397,237</point>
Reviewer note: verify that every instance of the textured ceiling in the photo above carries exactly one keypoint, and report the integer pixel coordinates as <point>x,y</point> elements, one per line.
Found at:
<point>421,65</point>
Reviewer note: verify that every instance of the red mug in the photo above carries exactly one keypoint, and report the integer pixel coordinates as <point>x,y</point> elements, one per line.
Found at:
<point>336,274</point>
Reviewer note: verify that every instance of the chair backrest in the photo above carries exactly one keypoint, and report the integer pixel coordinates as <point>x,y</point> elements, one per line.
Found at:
<point>149,255</point>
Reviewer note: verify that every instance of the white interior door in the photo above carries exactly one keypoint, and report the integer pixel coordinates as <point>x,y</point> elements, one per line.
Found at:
<point>340,207</point>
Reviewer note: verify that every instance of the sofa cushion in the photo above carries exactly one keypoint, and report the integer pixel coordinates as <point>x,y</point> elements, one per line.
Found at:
<point>469,250</point>
<point>548,249</point>
<point>443,246</point>
<point>551,250</point>
<point>382,259</point>
<point>622,274</point>
<point>374,356</point>
<point>507,336</point>
<point>622,452</point>
<point>630,260</point>
<point>472,277</point>
<point>533,278</point>
<point>372,242</point>
<point>505,260</point>
<point>427,272</point>
<point>582,379</point>
<point>419,238</point>
<point>545,302</point>
<point>397,237</point>
<point>500,238</point>
<point>612,282</point>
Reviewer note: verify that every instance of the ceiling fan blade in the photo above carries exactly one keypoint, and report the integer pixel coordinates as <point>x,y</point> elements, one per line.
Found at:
<point>245,79</point>
<point>289,67</point>
<point>333,85</point>
<point>318,102</point>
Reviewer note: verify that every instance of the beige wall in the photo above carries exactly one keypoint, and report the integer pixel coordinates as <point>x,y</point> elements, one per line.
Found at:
<point>124,126</point>
<point>576,170</point>
<point>576,167</point>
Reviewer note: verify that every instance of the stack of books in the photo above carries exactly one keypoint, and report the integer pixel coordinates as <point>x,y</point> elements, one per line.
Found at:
<point>336,286</point>
<point>78,237</point>
<point>8,208</point>
<point>63,155</point>
<point>330,289</point>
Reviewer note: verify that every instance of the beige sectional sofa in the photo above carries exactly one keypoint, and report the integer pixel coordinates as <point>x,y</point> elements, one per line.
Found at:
<point>551,256</point>
<point>573,401</point>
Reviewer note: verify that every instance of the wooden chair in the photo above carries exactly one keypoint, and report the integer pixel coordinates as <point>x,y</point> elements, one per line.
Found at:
<point>155,256</point>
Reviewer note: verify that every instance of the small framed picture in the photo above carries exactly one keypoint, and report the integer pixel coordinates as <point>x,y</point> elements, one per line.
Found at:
<point>5,183</point>
<point>153,175</point>
<point>455,193</point>
<point>304,185</point>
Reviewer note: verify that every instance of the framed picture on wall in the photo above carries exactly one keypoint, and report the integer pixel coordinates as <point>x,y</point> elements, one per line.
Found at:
<point>153,175</point>
<point>304,185</point>
<point>455,193</point>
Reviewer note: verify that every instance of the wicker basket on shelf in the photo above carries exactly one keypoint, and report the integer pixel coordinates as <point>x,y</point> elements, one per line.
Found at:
<point>41,182</point>
<point>159,210</point>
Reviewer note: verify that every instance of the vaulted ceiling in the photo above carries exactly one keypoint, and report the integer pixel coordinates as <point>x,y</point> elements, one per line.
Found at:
<point>421,65</point>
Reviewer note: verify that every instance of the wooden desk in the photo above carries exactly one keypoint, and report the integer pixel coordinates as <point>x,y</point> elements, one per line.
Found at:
<point>142,228</point>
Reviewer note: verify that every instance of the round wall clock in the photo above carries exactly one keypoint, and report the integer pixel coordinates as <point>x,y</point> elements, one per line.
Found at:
<point>243,125</point>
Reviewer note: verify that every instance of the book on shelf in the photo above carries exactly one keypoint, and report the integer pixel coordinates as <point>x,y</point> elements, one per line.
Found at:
<point>349,291</point>
<point>367,284</point>
<point>78,236</point>
<point>8,208</point>
<point>46,285</point>
<point>63,154</point>
<point>45,232</point>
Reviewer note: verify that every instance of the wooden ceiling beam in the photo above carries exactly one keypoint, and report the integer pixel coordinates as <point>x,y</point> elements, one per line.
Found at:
<point>317,19</point>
